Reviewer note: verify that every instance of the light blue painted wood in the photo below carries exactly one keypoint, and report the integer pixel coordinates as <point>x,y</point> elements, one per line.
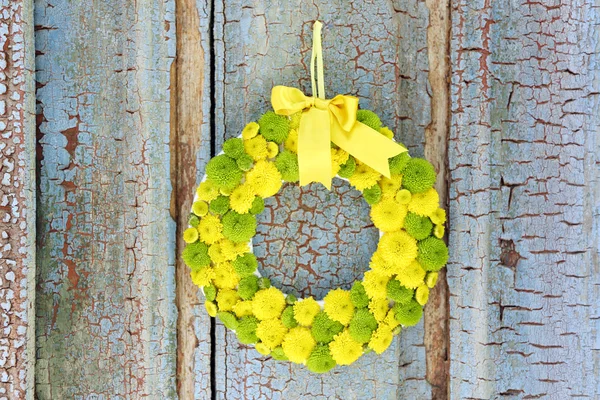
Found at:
<point>105,307</point>
<point>261,44</point>
<point>524,275</point>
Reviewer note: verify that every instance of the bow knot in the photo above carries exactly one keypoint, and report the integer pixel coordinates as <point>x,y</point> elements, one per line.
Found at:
<point>331,120</point>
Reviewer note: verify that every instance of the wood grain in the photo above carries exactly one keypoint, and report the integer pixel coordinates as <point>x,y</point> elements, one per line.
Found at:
<point>524,176</point>
<point>106,313</point>
<point>17,200</point>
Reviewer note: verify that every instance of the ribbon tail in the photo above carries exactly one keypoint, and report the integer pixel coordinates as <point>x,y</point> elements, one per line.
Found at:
<point>314,147</point>
<point>367,145</point>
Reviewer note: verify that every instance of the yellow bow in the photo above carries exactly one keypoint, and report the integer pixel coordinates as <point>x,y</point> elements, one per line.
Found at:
<point>325,121</point>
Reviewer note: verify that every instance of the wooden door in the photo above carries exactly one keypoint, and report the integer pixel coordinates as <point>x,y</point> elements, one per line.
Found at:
<point>109,111</point>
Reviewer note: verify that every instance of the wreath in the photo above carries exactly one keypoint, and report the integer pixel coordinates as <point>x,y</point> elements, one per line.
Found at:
<point>308,139</point>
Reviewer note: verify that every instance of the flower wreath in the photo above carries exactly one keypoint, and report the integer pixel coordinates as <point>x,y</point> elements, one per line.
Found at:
<point>346,323</point>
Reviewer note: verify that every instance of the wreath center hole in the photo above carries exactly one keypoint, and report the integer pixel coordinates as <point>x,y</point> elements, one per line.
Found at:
<point>310,240</point>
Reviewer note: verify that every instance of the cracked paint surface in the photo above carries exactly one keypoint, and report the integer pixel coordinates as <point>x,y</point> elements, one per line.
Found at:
<point>105,307</point>
<point>17,200</point>
<point>377,52</point>
<point>524,275</point>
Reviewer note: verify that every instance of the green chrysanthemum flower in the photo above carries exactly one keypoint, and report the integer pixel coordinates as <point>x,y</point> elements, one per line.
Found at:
<point>287,318</point>
<point>223,171</point>
<point>246,330</point>
<point>417,226</point>
<point>264,283</point>
<point>398,293</point>
<point>245,162</point>
<point>347,169</point>
<point>258,205</point>
<point>248,287</point>
<point>195,255</point>
<point>433,254</point>
<point>287,164</point>
<point>290,299</point>
<point>245,264</point>
<point>220,205</point>
<point>398,163</point>
<point>369,118</point>
<point>193,220</point>
<point>372,195</point>
<point>210,292</point>
<point>419,175</point>
<point>358,295</point>
<point>408,314</point>
<point>362,325</point>
<point>324,328</point>
<point>239,227</point>
<point>233,147</point>
<point>320,360</point>
<point>278,354</point>
<point>228,319</point>
<point>274,127</point>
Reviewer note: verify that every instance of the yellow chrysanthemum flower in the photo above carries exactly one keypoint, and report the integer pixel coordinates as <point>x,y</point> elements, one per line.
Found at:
<point>431,279</point>
<point>256,147</point>
<point>344,349</point>
<point>390,320</point>
<point>230,250</point>
<point>250,130</point>
<point>272,149</point>
<point>364,177</point>
<point>390,186</point>
<point>375,284</point>
<point>215,252</point>
<point>412,275</point>
<point>385,131</point>
<point>422,294</point>
<point>291,143</point>
<point>381,339</point>
<point>424,203</point>
<point>438,231</point>
<point>190,235</point>
<point>225,276</point>
<point>225,191</point>
<point>338,306</point>
<point>243,308</point>
<point>298,343</point>
<point>241,198</point>
<point>268,303</point>
<point>226,299</point>
<point>200,208</point>
<point>203,276</point>
<point>262,349</point>
<point>305,311</point>
<point>264,178</point>
<point>210,229</point>
<point>338,158</point>
<point>388,216</point>
<point>381,266</point>
<point>403,196</point>
<point>379,308</point>
<point>207,191</point>
<point>295,120</point>
<point>438,217</point>
<point>398,248</point>
<point>271,332</point>
<point>211,308</point>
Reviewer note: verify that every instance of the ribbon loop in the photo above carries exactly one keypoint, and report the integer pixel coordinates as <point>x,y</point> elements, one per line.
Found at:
<point>325,121</point>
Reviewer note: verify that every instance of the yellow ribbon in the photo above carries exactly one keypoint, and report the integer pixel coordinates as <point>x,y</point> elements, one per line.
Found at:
<point>325,121</point>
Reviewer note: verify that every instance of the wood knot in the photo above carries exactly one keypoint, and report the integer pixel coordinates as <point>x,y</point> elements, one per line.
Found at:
<point>509,257</point>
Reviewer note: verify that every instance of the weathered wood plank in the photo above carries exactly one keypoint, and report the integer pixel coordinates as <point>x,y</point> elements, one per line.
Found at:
<point>379,54</point>
<point>524,200</point>
<point>190,150</point>
<point>17,199</point>
<point>105,307</point>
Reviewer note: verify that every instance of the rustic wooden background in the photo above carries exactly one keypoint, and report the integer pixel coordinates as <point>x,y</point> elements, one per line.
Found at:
<point>109,111</point>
